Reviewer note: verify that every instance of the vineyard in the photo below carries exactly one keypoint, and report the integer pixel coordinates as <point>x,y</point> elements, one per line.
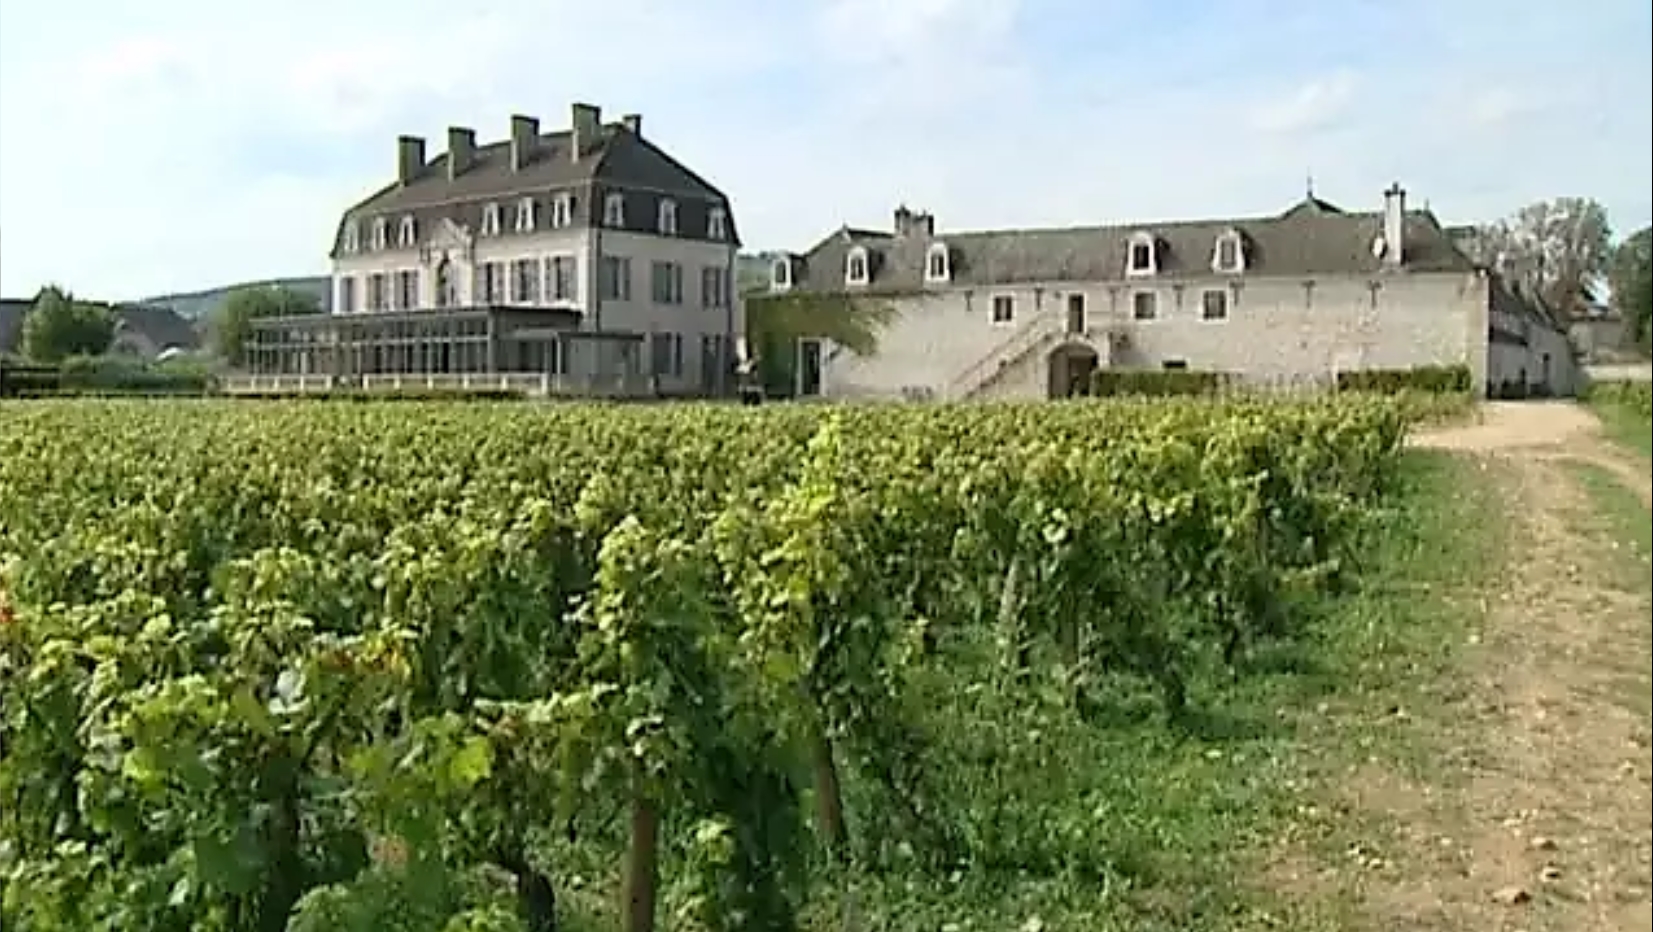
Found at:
<point>439,667</point>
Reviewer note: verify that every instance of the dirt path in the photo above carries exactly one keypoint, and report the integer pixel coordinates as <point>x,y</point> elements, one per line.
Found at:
<point>1526,431</point>
<point>1539,819</point>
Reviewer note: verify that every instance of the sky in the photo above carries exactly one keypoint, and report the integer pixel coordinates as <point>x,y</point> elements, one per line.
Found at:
<point>179,144</point>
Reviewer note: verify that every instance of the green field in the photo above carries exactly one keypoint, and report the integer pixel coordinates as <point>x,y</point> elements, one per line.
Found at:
<point>429,667</point>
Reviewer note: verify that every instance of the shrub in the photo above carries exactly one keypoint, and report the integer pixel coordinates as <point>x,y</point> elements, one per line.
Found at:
<point>1633,396</point>
<point>1156,382</point>
<point>117,375</point>
<point>1439,379</point>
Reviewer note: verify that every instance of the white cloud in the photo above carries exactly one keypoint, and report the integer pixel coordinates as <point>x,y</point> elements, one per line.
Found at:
<point>1313,105</point>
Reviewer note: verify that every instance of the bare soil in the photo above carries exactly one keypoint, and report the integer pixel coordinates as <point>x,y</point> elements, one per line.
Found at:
<point>1538,816</point>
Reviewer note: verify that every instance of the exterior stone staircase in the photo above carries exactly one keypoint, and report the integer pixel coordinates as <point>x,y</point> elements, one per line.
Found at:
<point>1037,336</point>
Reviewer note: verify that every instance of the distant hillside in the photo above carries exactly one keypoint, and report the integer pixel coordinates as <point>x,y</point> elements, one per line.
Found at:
<point>197,305</point>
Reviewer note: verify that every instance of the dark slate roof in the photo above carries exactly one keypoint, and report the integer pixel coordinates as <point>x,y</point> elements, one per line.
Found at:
<point>1311,238</point>
<point>619,160</point>
<point>161,325</point>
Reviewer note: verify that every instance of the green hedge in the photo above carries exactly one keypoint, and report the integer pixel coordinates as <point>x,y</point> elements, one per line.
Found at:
<point>1156,382</point>
<point>1439,379</point>
<point>118,375</point>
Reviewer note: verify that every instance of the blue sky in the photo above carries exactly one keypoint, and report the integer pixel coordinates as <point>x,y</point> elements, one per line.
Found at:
<point>179,144</point>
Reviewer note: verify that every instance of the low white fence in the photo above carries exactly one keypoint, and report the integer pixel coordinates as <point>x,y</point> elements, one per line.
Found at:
<point>531,384</point>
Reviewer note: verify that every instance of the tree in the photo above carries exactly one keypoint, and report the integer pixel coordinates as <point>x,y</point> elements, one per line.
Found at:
<point>1631,276</point>
<point>57,326</point>
<point>1561,246</point>
<point>776,322</point>
<point>232,321</point>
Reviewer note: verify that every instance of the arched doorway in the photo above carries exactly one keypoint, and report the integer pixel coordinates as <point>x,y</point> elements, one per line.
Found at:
<point>1070,367</point>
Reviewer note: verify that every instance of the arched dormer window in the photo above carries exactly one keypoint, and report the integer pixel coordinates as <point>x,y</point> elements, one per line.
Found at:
<point>614,210</point>
<point>1228,253</point>
<point>780,274</point>
<point>406,233</point>
<point>938,263</point>
<point>666,220</point>
<point>1142,255</point>
<point>857,266</point>
<point>525,215</point>
<point>381,233</point>
<point>490,220</point>
<point>352,236</point>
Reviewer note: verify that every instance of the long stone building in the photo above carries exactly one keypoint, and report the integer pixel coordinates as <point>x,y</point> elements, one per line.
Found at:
<point>1289,299</point>
<point>587,257</point>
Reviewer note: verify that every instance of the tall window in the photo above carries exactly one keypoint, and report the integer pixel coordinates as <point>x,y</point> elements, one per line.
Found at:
<point>493,282</point>
<point>1144,305</point>
<point>666,283</point>
<point>407,289</point>
<point>1004,309</point>
<point>714,287</point>
<point>560,281</point>
<point>376,295</point>
<point>525,281</point>
<point>666,354</point>
<point>614,278</point>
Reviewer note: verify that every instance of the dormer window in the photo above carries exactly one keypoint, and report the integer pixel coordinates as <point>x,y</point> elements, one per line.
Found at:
<point>1144,255</point>
<point>490,220</point>
<point>562,211</point>
<point>717,223</point>
<point>1228,255</point>
<point>938,263</point>
<point>352,236</point>
<point>525,215</point>
<point>406,233</point>
<point>614,210</point>
<point>856,271</point>
<point>666,217</point>
<point>381,233</point>
<point>780,275</point>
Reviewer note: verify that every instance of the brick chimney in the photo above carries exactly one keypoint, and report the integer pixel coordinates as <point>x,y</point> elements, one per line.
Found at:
<point>633,122</point>
<point>525,134</point>
<point>410,158</point>
<point>903,220</point>
<point>461,150</point>
<point>911,223</point>
<point>1394,225</point>
<point>586,120</point>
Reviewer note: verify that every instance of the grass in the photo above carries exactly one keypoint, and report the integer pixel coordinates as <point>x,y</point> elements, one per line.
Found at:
<point>1127,824</point>
<point>1624,411</point>
<point>1621,522</point>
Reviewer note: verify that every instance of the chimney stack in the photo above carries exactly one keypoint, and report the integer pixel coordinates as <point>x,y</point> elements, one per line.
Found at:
<point>461,150</point>
<point>525,134</point>
<point>586,121</point>
<point>1394,225</point>
<point>903,220</point>
<point>410,158</point>
<point>914,223</point>
<point>633,123</point>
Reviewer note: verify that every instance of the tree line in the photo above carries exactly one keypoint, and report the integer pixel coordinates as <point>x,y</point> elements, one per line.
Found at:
<point>1563,248</point>
<point>59,326</point>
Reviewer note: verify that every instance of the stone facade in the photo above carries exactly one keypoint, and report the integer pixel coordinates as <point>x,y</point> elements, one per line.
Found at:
<point>1277,301</point>
<point>594,222</point>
